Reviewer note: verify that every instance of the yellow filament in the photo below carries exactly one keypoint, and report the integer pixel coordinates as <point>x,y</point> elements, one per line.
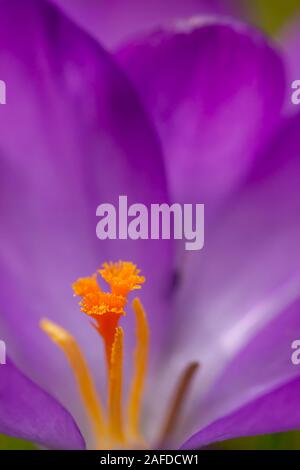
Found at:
<point>140,368</point>
<point>68,344</point>
<point>115,389</point>
<point>176,404</point>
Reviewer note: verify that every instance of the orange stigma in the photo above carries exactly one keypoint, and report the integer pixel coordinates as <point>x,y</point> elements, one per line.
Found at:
<point>106,308</point>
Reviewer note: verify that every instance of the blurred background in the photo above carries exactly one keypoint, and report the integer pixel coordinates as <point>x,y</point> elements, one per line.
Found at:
<point>271,15</point>
<point>279,19</point>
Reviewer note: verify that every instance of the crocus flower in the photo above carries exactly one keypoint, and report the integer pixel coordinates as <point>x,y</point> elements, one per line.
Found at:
<point>191,113</point>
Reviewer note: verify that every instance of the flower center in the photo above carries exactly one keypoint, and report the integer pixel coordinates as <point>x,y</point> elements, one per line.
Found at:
<point>105,310</point>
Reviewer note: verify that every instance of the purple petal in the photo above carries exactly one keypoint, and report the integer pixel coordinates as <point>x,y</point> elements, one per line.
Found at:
<point>241,293</point>
<point>116,21</point>
<point>73,135</point>
<point>27,412</point>
<point>277,411</point>
<point>290,42</point>
<point>215,91</point>
<point>266,360</point>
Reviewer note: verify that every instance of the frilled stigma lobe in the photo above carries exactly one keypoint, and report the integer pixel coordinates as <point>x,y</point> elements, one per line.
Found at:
<point>122,277</point>
<point>94,301</point>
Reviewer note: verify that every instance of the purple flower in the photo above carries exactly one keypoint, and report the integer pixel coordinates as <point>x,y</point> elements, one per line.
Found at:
<point>189,113</point>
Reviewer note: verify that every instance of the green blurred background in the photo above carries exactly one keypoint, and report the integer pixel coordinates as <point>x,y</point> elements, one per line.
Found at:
<point>272,16</point>
<point>282,441</point>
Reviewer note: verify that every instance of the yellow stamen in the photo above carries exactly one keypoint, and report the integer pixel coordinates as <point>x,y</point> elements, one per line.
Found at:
<point>177,403</point>
<point>80,369</point>
<point>122,277</point>
<point>115,389</point>
<point>140,368</point>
